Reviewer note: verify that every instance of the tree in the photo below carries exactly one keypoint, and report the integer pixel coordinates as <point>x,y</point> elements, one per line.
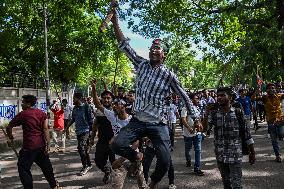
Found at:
<point>247,32</point>
<point>77,51</point>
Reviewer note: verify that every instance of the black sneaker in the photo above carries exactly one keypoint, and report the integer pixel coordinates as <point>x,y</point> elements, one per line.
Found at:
<point>188,164</point>
<point>199,172</point>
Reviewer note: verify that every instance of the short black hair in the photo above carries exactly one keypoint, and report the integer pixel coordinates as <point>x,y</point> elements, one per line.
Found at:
<point>106,92</point>
<point>78,95</point>
<point>192,95</point>
<point>30,99</point>
<point>64,100</point>
<point>227,90</point>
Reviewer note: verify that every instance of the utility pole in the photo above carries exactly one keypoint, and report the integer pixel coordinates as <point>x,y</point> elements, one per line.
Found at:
<point>47,82</point>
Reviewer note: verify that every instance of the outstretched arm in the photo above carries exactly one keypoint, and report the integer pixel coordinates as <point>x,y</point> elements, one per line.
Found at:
<point>123,43</point>
<point>118,33</point>
<point>95,96</point>
<point>104,84</point>
<point>177,89</point>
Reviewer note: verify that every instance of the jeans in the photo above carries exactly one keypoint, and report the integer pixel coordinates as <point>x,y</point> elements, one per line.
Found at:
<point>102,154</point>
<point>83,145</point>
<point>149,155</point>
<point>231,174</point>
<point>196,142</point>
<point>25,161</point>
<point>273,131</point>
<point>159,135</point>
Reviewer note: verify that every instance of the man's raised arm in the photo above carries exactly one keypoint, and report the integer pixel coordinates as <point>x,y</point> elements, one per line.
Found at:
<point>123,43</point>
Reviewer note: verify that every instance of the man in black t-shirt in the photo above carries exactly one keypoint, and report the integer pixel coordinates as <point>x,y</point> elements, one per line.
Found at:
<point>104,129</point>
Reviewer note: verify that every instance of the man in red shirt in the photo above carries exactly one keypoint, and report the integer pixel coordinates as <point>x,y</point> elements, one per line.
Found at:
<point>58,126</point>
<point>36,141</point>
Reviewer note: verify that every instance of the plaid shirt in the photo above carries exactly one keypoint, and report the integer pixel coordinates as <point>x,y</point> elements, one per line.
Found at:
<point>153,85</point>
<point>227,141</point>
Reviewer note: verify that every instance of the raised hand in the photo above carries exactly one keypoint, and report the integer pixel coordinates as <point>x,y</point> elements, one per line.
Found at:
<point>93,84</point>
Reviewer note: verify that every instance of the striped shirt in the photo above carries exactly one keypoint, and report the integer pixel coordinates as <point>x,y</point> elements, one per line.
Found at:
<point>153,85</point>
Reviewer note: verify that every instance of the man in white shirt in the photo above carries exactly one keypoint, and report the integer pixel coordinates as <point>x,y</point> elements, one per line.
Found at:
<point>118,119</point>
<point>171,115</point>
<point>192,132</point>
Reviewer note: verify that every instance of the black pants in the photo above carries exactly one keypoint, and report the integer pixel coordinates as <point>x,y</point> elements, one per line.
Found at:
<point>172,135</point>
<point>102,155</point>
<point>261,112</point>
<point>65,125</point>
<point>149,155</point>
<point>25,161</point>
<point>83,145</point>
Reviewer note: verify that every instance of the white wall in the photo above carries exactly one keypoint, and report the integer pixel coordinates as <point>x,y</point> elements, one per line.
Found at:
<point>10,100</point>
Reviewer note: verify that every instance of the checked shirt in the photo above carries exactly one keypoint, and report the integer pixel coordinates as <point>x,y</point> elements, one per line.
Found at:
<point>227,141</point>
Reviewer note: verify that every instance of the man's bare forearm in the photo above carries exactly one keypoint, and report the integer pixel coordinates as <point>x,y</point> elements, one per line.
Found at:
<point>118,33</point>
<point>46,133</point>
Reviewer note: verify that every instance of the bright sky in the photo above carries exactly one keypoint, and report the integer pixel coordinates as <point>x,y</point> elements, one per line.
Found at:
<point>139,43</point>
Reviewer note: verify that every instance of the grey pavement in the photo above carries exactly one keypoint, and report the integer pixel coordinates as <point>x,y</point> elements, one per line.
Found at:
<point>266,173</point>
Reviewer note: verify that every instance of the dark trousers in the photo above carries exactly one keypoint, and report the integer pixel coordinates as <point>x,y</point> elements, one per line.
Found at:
<point>231,174</point>
<point>102,155</point>
<point>65,125</point>
<point>25,161</point>
<point>149,155</point>
<point>158,133</point>
<point>261,112</point>
<point>83,145</point>
<point>172,135</point>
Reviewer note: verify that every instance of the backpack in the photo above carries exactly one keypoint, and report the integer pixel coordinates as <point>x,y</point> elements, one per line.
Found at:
<point>242,125</point>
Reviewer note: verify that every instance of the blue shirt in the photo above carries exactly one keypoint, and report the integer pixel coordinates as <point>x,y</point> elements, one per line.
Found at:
<point>246,104</point>
<point>82,125</point>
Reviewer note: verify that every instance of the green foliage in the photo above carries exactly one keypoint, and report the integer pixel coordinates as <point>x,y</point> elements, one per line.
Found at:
<point>192,73</point>
<point>77,51</point>
<point>245,33</point>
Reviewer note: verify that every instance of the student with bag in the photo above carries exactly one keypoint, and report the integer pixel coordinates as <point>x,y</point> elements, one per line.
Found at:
<point>230,132</point>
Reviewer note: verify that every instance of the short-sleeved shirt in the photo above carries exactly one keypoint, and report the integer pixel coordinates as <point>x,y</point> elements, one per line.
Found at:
<point>116,123</point>
<point>31,121</point>
<point>58,118</point>
<point>196,114</point>
<point>105,132</point>
<point>272,105</point>
<point>171,111</point>
<point>246,104</point>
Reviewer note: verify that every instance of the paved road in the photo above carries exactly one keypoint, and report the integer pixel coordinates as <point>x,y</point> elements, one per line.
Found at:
<point>264,174</point>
